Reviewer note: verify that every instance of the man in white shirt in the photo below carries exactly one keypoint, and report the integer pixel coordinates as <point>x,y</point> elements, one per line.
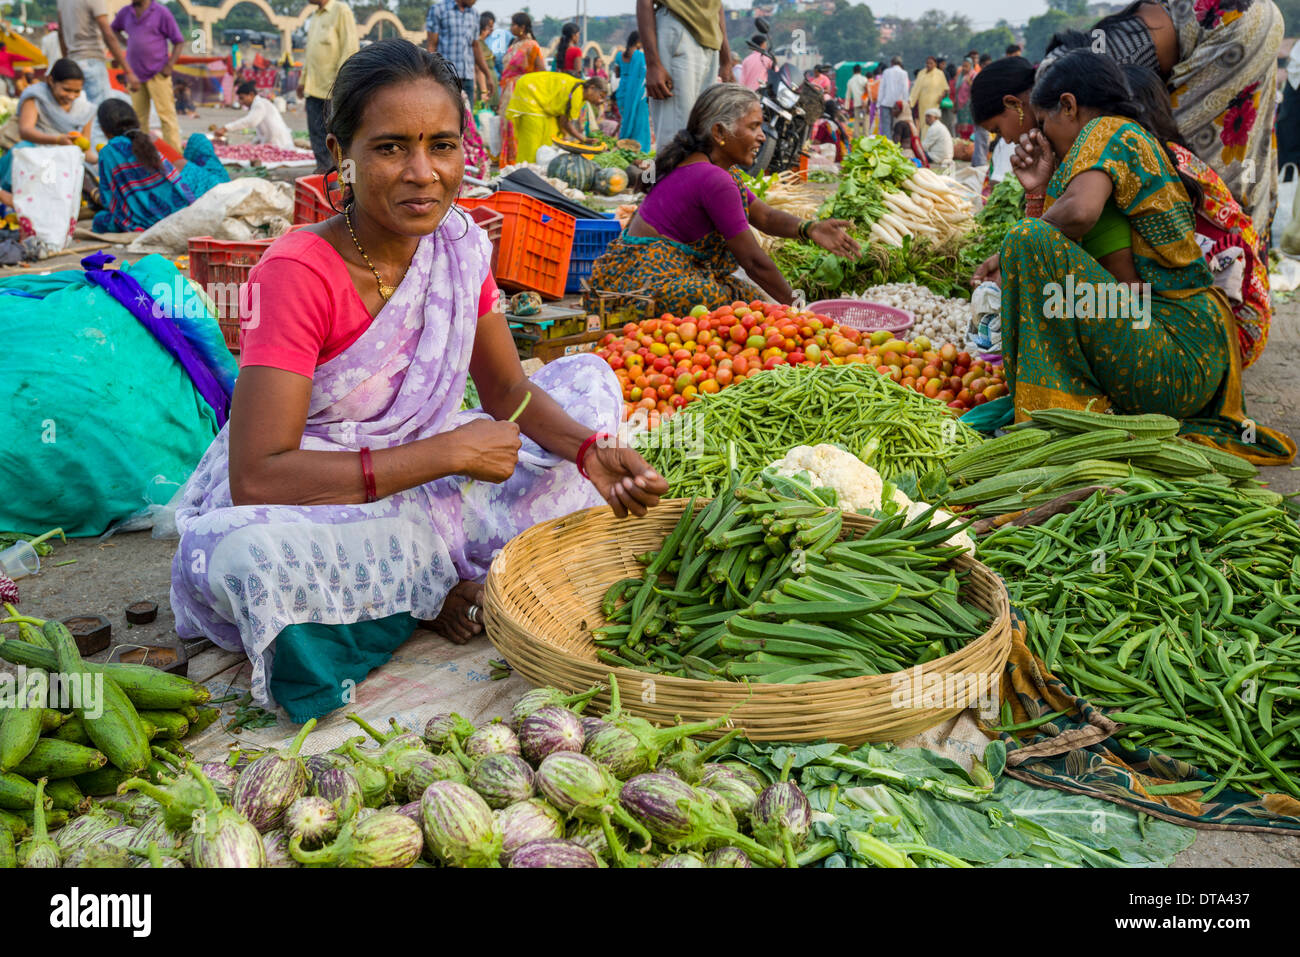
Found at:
<point>856,94</point>
<point>262,117</point>
<point>937,142</point>
<point>894,89</point>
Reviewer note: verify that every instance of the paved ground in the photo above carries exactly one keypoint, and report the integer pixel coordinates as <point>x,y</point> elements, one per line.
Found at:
<point>107,576</point>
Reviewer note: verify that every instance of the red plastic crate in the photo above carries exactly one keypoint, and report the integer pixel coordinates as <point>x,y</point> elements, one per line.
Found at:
<point>536,243</point>
<point>491,221</point>
<point>221,267</point>
<point>311,200</point>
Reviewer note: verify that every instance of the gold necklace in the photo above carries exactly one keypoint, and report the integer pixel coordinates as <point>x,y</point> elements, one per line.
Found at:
<point>385,291</point>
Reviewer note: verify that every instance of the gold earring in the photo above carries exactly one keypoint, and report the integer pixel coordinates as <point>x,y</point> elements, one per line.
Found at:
<point>1020,113</point>
<point>436,177</point>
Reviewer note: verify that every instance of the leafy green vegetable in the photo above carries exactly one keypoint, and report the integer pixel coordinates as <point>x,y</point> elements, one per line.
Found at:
<point>1005,207</point>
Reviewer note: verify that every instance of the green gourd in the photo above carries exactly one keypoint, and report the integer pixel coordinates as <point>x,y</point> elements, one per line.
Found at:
<point>578,171</point>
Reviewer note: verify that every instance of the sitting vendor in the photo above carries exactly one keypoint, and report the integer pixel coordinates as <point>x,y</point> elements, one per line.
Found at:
<point>545,105</point>
<point>692,231</point>
<point>350,497</point>
<point>262,117</point>
<point>138,185</point>
<point>51,113</point>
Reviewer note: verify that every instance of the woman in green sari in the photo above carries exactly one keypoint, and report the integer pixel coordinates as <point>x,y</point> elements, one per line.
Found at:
<point>1153,336</point>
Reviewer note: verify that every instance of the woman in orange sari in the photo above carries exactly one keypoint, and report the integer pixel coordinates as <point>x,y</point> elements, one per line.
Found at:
<point>524,55</point>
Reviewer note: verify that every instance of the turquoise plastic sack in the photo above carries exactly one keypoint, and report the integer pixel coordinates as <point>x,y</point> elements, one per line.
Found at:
<point>991,416</point>
<point>95,412</point>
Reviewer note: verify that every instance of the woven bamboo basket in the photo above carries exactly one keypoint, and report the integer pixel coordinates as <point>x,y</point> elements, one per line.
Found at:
<point>543,595</point>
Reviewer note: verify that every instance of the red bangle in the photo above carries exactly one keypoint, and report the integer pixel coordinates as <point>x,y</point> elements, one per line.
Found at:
<point>368,474</point>
<point>584,449</point>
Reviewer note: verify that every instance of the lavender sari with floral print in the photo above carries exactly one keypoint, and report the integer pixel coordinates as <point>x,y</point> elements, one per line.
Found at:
<point>241,574</point>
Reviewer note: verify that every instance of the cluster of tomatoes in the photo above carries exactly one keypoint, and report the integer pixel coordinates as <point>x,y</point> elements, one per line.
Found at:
<point>664,364</point>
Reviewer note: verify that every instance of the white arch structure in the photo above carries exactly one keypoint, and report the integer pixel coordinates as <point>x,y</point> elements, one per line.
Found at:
<point>208,16</point>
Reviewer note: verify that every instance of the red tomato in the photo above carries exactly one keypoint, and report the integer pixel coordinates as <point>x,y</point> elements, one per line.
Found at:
<point>665,390</point>
<point>796,357</point>
<point>733,348</point>
<point>678,401</point>
<point>705,336</point>
<point>963,359</point>
<point>774,361</point>
<point>740,365</point>
<point>615,362</point>
<point>723,376</point>
<point>701,359</point>
<point>749,321</point>
<point>738,333</point>
<point>709,386</point>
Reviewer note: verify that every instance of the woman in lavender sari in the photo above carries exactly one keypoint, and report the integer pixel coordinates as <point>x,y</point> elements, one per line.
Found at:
<point>349,498</point>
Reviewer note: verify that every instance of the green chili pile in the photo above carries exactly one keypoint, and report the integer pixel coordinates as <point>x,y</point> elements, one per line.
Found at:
<point>895,430</point>
<point>1178,605</point>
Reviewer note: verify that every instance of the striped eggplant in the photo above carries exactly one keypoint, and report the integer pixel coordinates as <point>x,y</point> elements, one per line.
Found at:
<point>632,745</point>
<point>540,698</point>
<point>728,857</point>
<point>119,836</point>
<point>315,763</point>
<point>99,855</point>
<point>590,725</point>
<point>155,831</point>
<point>313,820</point>
<point>525,821</point>
<point>85,829</point>
<point>458,826</point>
<point>495,738</point>
<point>156,859</point>
<point>276,845</point>
<point>677,816</point>
<point>222,837</point>
<point>411,810</point>
<point>781,818</point>
<point>553,853</point>
<point>502,780</point>
<point>270,784</point>
<point>398,739</point>
<point>383,839</point>
<point>690,761</point>
<point>176,801</point>
<point>339,786</point>
<point>721,807</point>
<point>579,787</point>
<point>548,729</point>
<point>374,777</point>
<point>429,768</point>
<point>591,836</point>
<point>442,728</point>
<point>739,796</point>
<point>740,770</point>
<point>682,860</point>
<point>38,850</point>
<point>618,750</point>
<point>223,778</point>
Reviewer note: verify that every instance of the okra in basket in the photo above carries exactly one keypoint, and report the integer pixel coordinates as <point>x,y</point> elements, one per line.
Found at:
<point>757,585</point>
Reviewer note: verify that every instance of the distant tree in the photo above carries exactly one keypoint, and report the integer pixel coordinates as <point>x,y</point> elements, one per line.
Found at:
<point>994,41</point>
<point>935,33</point>
<point>1039,30</point>
<point>850,33</point>
<point>1075,8</point>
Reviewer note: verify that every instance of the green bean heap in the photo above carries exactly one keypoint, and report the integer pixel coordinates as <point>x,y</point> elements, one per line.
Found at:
<point>758,586</point>
<point>1178,604</point>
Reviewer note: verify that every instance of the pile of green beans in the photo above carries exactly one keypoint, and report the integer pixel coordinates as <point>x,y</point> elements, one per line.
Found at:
<point>1178,605</point>
<point>893,429</point>
<point>757,586</point>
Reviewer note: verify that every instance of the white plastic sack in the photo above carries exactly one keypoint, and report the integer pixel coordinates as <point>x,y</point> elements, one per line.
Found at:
<point>985,330</point>
<point>489,127</point>
<point>1287,180</point>
<point>240,210</point>
<point>547,153</point>
<point>47,192</point>
<point>1286,277</point>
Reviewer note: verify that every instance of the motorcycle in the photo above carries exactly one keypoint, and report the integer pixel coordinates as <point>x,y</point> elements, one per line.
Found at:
<point>786,103</point>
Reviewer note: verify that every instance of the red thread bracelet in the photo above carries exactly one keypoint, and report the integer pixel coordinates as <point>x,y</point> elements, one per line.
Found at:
<point>584,449</point>
<point>368,474</point>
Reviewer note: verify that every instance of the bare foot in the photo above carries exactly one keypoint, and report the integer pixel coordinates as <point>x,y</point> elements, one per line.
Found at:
<point>453,622</point>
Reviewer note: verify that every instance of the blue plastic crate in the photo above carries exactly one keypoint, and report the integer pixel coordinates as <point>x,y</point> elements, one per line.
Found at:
<point>590,237</point>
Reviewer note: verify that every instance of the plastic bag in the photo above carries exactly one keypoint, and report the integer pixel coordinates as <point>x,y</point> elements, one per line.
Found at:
<point>47,192</point>
<point>157,514</point>
<point>1287,180</point>
<point>243,209</point>
<point>986,317</point>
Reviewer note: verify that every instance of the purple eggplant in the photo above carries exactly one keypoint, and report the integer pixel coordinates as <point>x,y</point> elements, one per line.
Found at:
<point>502,780</point>
<point>525,821</point>
<point>633,745</point>
<point>740,797</point>
<point>373,774</point>
<point>223,776</point>
<point>270,784</point>
<point>579,787</point>
<point>591,724</point>
<point>681,860</point>
<point>313,820</point>
<point>782,817</point>
<point>728,857</point>
<point>411,810</point>
<point>155,831</point>
<point>740,770</point>
<point>458,826</point>
<point>549,729</point>
<point>442,729</point>
<point>223,837</point>
<point>339,786</point>
<point>540,698</point>
<point>383,839</point>
<point>553,853</point>
<point>676,816</point>
<point>85,829</point>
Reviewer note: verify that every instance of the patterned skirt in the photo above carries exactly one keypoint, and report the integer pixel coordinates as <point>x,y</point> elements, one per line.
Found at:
<point>677,275</point>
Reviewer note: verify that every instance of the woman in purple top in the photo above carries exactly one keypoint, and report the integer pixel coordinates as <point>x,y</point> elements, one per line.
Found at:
<point>692,231</point>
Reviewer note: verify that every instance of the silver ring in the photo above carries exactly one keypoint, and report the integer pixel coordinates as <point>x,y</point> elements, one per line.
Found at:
<point>472,614</point>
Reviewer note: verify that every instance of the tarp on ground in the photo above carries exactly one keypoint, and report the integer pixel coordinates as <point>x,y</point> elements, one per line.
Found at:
<point>97,415</point>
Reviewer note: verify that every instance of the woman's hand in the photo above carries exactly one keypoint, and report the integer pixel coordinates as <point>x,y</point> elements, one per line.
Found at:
<point>492,449</point>
<point>832,236</point>
<point>990,270</point>
<point>1034,162</point>
<point>624,479</point>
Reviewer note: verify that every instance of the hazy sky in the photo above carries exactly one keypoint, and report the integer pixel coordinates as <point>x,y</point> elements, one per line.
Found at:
<point>982,13</point>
